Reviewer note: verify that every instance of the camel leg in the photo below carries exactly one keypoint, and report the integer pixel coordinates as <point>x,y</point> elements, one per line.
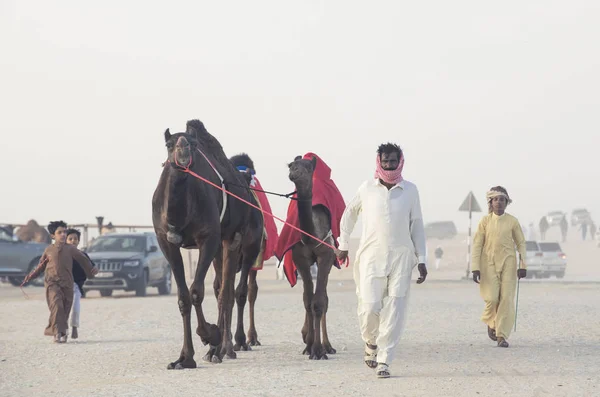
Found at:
<point>326,344</point>
<point>231,255</point>
<point>173,256</point>
<point>250,253</point>
<point>241,296</point>
<point>308,335</point>
<point>252,295</point>
<point>319,303</point>
<point>209,333</point>
<point>218,266</point>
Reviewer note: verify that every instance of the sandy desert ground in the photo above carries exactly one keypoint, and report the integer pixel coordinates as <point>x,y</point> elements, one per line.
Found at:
<point>127,342</point>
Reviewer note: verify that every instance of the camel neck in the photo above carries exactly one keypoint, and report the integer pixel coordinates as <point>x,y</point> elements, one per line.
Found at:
<point>305,211</point>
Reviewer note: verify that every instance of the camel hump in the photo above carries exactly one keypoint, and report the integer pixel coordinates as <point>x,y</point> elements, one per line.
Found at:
<point>196,128</point>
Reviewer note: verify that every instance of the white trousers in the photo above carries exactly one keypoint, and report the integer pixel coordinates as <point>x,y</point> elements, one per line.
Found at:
<point>76,309</point>
<point>437,262</point>
<point>382,324</point>
<point>382,304</point>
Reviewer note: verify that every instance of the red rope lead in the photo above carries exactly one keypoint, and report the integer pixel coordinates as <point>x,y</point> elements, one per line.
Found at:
<point>187,170</point>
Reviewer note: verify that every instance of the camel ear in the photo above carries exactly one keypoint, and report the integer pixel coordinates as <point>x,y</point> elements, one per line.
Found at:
<point>313,161</point>
<point>167,135</point>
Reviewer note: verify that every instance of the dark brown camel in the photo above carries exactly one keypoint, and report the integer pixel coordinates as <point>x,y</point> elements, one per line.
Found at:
<point>247,289</point>
<point>316,221</point>
<point>186,213</point>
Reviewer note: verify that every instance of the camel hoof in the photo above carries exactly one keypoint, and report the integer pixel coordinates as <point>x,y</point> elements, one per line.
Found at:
<point>174,238</point>
<point>231,355</point>
<point>306,351</point>
<point>329,349</point>
<point>243,347</point>
<point>254,342</point>
<point>207,358</point>
<point>216,360</point>
<point>182,364</point>
<point>318,357</point>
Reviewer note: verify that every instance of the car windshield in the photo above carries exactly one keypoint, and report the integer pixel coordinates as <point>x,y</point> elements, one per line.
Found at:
<point>118,244</point>
<point>550,247</point>
<point>4,236</point>
<point>532,246</point>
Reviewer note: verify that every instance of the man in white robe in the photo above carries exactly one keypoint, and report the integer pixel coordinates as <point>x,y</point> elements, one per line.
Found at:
<point>391,245</point>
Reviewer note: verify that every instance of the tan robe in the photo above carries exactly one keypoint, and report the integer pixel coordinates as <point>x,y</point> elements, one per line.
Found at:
<point>494,255</point>
<point>57,261</point>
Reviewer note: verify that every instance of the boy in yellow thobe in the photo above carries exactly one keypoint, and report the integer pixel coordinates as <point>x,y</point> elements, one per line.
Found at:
<point>494,264</point>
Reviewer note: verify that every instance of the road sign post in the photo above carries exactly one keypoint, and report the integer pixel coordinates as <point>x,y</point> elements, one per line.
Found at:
<point>469,205</point>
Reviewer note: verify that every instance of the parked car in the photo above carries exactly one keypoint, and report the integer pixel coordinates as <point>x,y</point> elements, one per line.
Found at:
<point>130,262</point>
<point>18,258</point>
<point>579,216</point>
<point>533,260</point>
<point>554,260</point>
<point>555,217</point>
<point>441,230</point>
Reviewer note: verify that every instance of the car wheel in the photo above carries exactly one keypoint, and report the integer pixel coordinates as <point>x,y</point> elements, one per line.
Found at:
<point>560,275</point>
<point>164,288</point>
<point>17,281</point>
<point>140,290</point>
<point>106,292</point>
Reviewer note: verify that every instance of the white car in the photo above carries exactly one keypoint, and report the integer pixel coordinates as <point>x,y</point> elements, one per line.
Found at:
<point>579,216</point>
<point>554,260</point>
<point>555,217</point>
<point>533,260</point>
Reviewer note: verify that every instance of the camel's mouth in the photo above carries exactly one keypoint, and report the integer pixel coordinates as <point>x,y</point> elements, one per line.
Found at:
<point>182,154</point>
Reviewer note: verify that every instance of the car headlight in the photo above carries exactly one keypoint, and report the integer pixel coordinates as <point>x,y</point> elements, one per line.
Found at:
<point>131,263</point>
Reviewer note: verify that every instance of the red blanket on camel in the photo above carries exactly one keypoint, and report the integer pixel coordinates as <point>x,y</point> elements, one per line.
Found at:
<point>325,193</point>
<point>269,222</point>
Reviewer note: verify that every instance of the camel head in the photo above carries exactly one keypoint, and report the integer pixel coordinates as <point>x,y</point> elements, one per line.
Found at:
<point>245,165</point>
<point>180,148</point>
<point>301,171</point>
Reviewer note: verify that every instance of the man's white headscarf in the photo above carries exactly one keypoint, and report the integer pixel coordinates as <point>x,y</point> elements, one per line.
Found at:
<point>495,193</point>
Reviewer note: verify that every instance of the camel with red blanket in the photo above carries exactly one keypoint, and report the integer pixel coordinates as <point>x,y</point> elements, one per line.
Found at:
<point>265,241</point>
<point>317,209</point>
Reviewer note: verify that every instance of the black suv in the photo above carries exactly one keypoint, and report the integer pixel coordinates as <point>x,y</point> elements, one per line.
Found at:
<point>130,262</point>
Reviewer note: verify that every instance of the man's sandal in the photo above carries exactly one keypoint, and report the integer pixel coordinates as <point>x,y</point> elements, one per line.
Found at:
<point>502,342</point>
<point>383,371</point>
<point>492,334</point>
<point>371,356</point>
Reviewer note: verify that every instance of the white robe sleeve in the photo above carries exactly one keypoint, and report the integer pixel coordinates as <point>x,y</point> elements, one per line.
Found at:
<point>417,230</point>
<point>349,219</point>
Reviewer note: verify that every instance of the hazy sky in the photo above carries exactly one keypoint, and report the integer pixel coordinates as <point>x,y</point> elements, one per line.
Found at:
<point>477,94</point>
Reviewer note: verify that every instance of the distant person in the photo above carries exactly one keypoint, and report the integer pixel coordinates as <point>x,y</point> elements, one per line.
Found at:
<point>79,277</point>
<point>564,227</point>
<point>439,252</point>
<point>544,226</point>
<point>57,262</point>
<point>531,232</point>
<point>593,230</point>
<point>495,265</point>
<point>583,228</point>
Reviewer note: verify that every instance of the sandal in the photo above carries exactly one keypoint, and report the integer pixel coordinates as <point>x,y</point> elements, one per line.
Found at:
<point>502,342</point>
<point>492,334</point>
<point>383,371</point>
<point>370,356</point>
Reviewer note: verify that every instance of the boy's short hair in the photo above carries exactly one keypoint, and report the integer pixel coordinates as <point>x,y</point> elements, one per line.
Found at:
<point>74,231</point>
<point>52,226</point>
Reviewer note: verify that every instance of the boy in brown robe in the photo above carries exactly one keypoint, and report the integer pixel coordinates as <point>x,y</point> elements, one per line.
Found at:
<point>57,262</point>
